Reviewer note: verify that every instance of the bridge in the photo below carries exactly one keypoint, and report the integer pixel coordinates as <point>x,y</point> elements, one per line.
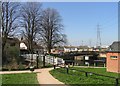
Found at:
<point>82,53</point>
<point>86,56</point>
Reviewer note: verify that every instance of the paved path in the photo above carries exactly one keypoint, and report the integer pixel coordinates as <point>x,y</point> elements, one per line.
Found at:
<point>23,71</point>
<point>45,78</point>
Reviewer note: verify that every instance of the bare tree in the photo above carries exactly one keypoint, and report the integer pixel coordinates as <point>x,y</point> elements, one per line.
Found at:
<point>9,21</point>
<point>30,17</point>
<point>51,29</point>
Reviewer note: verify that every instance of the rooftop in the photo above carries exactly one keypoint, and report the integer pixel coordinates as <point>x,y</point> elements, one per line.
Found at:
<point>114,47</point>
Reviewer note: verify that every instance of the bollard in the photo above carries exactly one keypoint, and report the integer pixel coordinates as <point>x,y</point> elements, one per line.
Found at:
<point>117,82</point>
<point>86,74</point>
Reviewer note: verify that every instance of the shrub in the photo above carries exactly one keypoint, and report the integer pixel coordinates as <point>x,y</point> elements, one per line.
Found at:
<point>21,66</point>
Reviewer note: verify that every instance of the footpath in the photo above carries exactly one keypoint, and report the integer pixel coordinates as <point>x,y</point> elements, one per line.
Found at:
<point>43,76</point>
<point>46,79</point>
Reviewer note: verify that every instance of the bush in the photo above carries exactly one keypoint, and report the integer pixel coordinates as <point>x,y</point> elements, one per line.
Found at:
<point>21,66</point>
<point>12,65</point>
<point>12,52</point>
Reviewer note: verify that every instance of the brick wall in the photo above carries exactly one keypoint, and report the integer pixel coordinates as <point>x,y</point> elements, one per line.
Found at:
<point>119,62</point>
<point>113,65</point>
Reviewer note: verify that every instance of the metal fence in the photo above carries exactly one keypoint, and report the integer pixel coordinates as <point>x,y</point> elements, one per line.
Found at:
<point>52,60</point>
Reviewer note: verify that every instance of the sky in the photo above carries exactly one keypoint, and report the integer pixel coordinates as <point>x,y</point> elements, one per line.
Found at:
<point>61,0</point>
<point>80,21</point>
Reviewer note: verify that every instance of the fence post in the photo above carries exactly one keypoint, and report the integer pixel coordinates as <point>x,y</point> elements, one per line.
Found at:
<point>67,71</point>
<point>86,74</point>
<point>117,82</point>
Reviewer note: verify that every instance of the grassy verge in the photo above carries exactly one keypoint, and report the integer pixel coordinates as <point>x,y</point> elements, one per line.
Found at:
<point>23,78</point>
<point>76,78</point>
<point>98,71</point>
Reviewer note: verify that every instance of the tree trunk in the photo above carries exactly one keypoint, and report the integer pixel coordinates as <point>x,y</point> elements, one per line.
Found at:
<point>4,59</point>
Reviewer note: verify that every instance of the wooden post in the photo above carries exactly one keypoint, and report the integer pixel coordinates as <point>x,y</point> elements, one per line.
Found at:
<point>67,71</point>
<point>86,74</point>
<point>117,82</point>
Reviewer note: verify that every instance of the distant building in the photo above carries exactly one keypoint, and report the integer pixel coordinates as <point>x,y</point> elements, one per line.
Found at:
<point>84,48</point>
<point>12,42</point>
<point>57,50</point>
<point>70,48</point>
<point>102,54</point>
<point>113,57</point>
<point>24,47</point>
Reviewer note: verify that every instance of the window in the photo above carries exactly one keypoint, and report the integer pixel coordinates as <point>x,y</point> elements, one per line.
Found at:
<point>113,57</point>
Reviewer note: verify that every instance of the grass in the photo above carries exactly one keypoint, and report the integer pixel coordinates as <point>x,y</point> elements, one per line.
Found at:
<point>23,78</point>
<point>98,71</point>
<point>76,78</point>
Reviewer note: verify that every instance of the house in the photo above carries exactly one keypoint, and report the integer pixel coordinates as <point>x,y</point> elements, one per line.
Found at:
<point>83,48</point>
<point>102,54</point>
<point>11,49</point>
<point>100,48</point>
<point>24,47</point>
<point>11,41</point>
<point>113,57</point>
<point>12,44</point>
<point>24,52</point>
<point>57,50</point>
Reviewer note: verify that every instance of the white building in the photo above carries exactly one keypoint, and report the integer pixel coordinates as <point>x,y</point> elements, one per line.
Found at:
<point>70,49</point>
<point>23,46</point>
